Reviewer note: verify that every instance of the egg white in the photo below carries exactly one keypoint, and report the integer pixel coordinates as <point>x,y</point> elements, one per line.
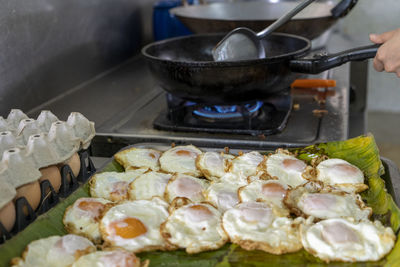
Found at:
<point>84,219</point>
<point>341,174</point>
<point>181,159</point>
<point>342,240</point>
<point>151,213</point>
<point>247,164</point>
<point>286,168</point>
<point>213,165</point>
<point>270,191</point>
<point>195,227</point>
<point>313,200</point>
<point>222,194</point>
<point>182,185</point>
<point>57,251</point>
<point>134,158</point>
<point>149,185</point>
<point>109,258</point>
<point>254,225</point>
<point>113,185</point>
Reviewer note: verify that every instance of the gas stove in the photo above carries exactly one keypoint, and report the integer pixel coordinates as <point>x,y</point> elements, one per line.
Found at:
<point>292,119</point>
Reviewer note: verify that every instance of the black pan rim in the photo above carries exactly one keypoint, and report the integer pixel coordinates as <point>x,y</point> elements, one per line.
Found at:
<point>295,54</point>
<point>176,11</point>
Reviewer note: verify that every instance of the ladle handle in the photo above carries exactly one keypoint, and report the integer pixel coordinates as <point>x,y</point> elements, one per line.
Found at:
<point>282,20</point>
<point>322,63</point>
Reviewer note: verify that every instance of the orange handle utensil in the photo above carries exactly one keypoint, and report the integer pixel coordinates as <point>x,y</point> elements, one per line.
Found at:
<point>313,83</point>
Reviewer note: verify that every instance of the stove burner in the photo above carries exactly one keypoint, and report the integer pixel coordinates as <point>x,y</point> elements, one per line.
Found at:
<point>261,117</point>
<point>218,112</point>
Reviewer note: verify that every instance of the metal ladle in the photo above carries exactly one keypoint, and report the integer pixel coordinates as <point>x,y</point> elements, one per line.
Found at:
<point>243,43</point>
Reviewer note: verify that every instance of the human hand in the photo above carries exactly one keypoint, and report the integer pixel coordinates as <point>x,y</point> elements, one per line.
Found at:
<point>388,56</point>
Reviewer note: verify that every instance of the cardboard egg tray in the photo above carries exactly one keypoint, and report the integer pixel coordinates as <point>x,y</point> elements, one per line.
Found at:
<point>26,145</point>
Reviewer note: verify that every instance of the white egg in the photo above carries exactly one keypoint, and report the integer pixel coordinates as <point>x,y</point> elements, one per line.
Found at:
<point>286,168</point>
<point>341,174</point>
<point>181,159</point>
<point>57,251</point>
<point>113,185</point>
<point>253,225</point>
<point>222,194</point>
<point>110,258</point>
<point>135,225</point>
<point>149,185</point>
<point>82,217</point>
<point>213,165</point>
<point>307,201</point>
<point>342,240</point>
<point>270,191</point>
<point>134,158</point>
<point>195,227</point>
<point>247,164</point>
<point>187,186</point>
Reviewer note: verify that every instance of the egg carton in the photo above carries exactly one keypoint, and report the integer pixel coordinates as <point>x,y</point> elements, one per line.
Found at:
<point>22,127</point>
<point>48,140</point>
<point>18,158</point>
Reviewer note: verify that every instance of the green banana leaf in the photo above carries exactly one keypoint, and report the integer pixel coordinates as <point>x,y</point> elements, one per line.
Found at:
<point>361,151</point>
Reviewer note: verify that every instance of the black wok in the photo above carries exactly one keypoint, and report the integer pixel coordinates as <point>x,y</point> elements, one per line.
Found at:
<point>257,15</point>
<point>184,67</point>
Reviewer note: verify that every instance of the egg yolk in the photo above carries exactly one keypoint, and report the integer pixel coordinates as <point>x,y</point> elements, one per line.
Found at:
<point>120,259</point>
<point>119,189</point>
<point>186,153</point>
<point>294,165</point>
<point>199,213</point>
<point>187,188</point>
<point>344,169</point>
<point>256,214</point>
<point>319,202</point>
<point>273,190</point>
<point>128,228</point>
<point>93,207</point>
<point>339,233</point>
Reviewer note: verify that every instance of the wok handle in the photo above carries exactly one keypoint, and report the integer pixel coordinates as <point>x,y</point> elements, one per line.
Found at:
<point>343,8</point>
<point>322,63</point>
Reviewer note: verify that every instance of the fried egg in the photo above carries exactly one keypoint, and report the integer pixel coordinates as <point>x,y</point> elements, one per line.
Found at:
<point>134,158</point>
<point>270,191</point>
<point>187,186</point>
<point>113,185</point>
<point>181,159</point>
<point>213,165</point>
<point>342,240</point>
<point>253,225</point>
<point>233,178</point>
<point>222,194</point>
<point>326,204</point>
<point>247,164</point>
<point>149,185</point>
<point>111,258</point>
<point>135,225</point>
<point>341,174</point>
<point>82,217</point>
<point>195,227</point>
<point>286,168</point>
<point>54,251</point>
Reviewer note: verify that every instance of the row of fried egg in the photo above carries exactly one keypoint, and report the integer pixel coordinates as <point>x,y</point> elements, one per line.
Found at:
<point>249,199</point>
<point>161,203</point>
